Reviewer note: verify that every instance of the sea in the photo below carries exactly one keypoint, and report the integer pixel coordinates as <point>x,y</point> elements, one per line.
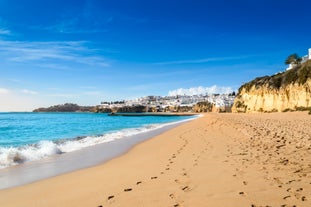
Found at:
<point>28,137</point>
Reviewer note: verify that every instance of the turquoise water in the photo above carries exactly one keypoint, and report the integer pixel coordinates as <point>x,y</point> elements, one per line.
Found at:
<point>33,136</point>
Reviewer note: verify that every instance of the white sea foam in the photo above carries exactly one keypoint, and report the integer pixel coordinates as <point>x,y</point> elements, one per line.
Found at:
<point>10,156</point>
<point>17,155</point>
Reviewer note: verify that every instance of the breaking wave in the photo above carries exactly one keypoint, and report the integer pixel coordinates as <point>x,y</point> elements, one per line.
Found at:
<point>10,156</point>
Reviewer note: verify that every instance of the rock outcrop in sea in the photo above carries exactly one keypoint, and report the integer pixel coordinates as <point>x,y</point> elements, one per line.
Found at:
<point>286,91</point>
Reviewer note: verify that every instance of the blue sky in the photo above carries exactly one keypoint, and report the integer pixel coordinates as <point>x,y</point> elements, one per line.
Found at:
<point>88,51</point>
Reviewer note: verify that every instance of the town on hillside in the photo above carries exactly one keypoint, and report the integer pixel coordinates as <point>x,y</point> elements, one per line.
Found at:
<point>218,103</point>
<point>293,60</point>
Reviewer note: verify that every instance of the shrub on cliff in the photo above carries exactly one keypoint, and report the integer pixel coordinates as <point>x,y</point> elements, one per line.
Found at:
<point>293,59</point>
<point>304,73</point>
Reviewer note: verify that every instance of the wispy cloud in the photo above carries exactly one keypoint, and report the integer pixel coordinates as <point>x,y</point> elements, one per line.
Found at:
<point>3,28</point>
<point>39,52</point>
<point>4,31</point>
<point>90,19</point>
<point>26,91</point>
<point>4,91</point>
<point>92,93</point>
<point>63,95</point>
<point>71,26</point>
<point>14,80</point>
<point>204,60</point>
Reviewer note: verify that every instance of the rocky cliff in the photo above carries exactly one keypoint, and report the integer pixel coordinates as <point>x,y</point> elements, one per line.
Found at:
<point>290,90</point>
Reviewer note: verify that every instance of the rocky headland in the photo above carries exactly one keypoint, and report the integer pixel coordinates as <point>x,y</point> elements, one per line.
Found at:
<point>67,107</point>
<point>286,91</point>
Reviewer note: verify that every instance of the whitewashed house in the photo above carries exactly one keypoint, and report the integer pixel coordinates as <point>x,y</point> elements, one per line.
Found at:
<point>303,59</point>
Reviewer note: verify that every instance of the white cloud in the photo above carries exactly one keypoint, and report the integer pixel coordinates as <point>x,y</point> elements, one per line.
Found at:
<point>63,95</point>
<point>4,31</point>
<point>92,93</point>
<point>201,90</point>
<point>78,52</point>
<point>196,61</point>
<point>70,26</point>
<point>3,27</point>
<point>4,91</point>
<point>29,92</point>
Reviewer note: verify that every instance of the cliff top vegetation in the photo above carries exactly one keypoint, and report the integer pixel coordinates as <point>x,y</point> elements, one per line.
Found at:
<point>299,74</point>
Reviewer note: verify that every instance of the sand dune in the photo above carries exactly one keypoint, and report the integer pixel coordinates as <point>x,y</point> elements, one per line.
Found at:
<point>216,160</point>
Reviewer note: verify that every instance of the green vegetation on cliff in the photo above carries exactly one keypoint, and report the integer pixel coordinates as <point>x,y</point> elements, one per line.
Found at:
<point>286,91</point>
<point>299,74</point>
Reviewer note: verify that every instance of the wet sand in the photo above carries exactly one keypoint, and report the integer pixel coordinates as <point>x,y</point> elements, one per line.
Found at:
<point>216,160</point>
<point>87,157</point>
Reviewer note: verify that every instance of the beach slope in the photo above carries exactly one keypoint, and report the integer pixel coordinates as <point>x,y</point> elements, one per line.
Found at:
<point>215,160</point>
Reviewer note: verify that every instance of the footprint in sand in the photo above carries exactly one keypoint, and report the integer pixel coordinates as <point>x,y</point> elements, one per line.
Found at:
<point>286,197</point>
<point>154,177</point>
<point>128,189</point>
<point>186,188</point>
<point>299,189</point>
<point>172,196</point>
<point>241,193</point>
<point>139,182</point>
<point>110,197</point>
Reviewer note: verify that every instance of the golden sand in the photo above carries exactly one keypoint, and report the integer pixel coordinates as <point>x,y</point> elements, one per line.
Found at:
<point>217,160</point>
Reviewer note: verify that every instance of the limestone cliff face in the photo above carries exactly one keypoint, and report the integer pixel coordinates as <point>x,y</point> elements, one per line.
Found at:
<point>290,90</point>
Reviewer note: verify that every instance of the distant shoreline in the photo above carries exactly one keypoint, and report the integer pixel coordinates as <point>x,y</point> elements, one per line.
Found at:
<point>152,114</point>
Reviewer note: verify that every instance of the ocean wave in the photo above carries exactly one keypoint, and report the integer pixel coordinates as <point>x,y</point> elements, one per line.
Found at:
<point>16,155</point>
<point>10,156</point>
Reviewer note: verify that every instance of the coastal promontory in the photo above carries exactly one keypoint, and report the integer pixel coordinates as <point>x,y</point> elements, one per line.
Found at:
<point>67,107</point>
<point>286,91</point>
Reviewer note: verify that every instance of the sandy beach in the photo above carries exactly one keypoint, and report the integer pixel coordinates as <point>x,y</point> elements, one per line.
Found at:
<point>216,160</point>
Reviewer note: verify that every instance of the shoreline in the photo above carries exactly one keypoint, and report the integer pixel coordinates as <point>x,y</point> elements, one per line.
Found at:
<point>152,114</point>
<point>59,164</point>
<point>215,160</point>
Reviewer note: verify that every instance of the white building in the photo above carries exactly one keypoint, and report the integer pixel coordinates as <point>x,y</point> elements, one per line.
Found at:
<point>303,59</point>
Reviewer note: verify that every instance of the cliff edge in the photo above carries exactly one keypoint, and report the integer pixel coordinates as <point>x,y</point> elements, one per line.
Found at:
<point>286,91</point>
